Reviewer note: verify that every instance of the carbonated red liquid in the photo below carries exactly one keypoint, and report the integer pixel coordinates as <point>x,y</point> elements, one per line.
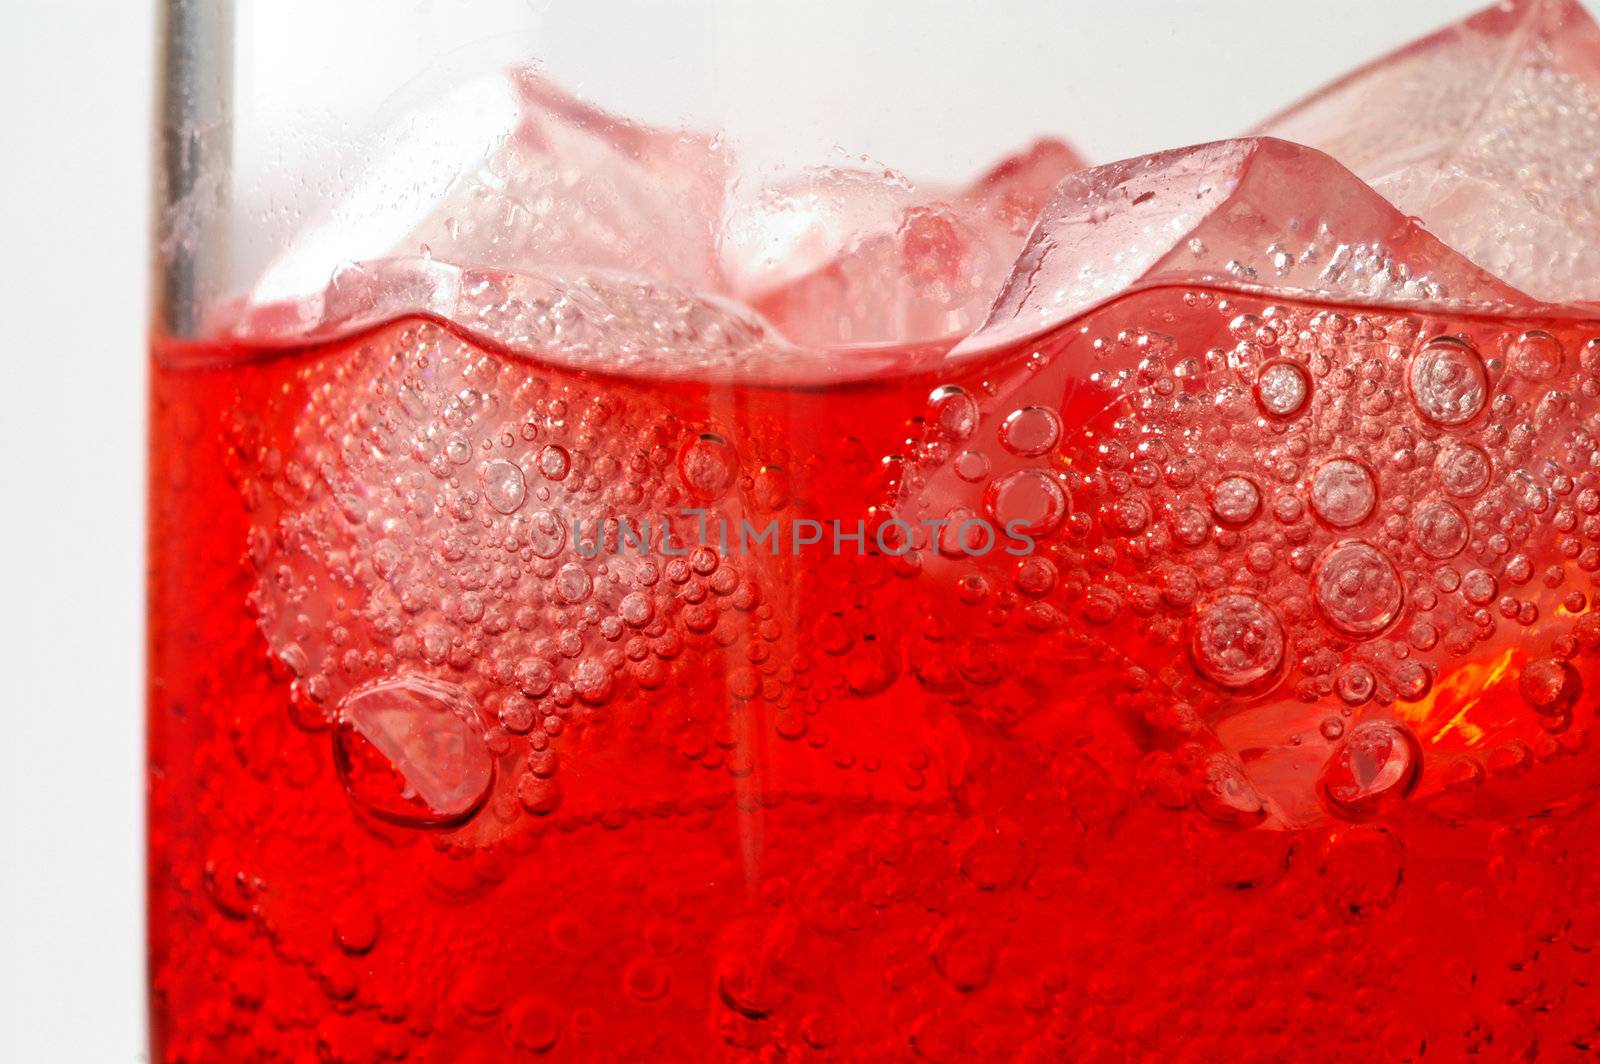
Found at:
<point>1239,709</point>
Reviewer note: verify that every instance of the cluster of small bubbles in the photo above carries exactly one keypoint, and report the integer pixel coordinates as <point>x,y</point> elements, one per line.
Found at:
<point>1196,518</point>
<point>455,479</point>
<point>1379,429</point>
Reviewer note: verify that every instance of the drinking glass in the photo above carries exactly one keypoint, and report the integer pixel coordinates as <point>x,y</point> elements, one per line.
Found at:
<point>713,531</point>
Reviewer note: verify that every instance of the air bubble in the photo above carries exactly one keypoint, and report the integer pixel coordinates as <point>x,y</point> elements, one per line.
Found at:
<point>1377,764</point>
<point>708,465</point>
<point>1028,501</point>
<point>1464,470</point>
<point>1479,587</point>
<point>1355,684</point>
<point>1225,793</point>
<point>1357,588</point>
<point>1282,389</point>
<point>972,466</point>
<point>539,795</point>
<point>1535,356</point>
<point>769,489</point>
<point>1448,382</point>
<point>953,412</point>
<point>533,1025</point>
<point>1412,681</point>
<point>1362,869</point>
<point>1440,529</point>
<point>1190,526</point>
<point>1036,576</point>
<point>1343,492</point>
<point>546,535</point>
<point>554,462</point>
<point>646,979</point>
<point>355,927</point>
<point>503,485</point>
<point>1031,431</point>
<point>1236,640</point>
<point>1235,501</point>
<point>1129,515</point>
<point>1550,686</point>
<point>573,583</point>
<point>636,609</point>
<point>534,676</point>
<point>1589,357</point>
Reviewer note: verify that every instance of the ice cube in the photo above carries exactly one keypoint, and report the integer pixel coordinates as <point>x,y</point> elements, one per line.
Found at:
<point>406,169</point>
<point>788,227</point>
<point>410,749</point>
<point>508,175</point>
<point>1489,131</point>
<point>930,274</point>
<point>1259,214</point>
<point>506,172</point>
<point>575,187</point>
<point>843,257</point>
<point>1017,188</point>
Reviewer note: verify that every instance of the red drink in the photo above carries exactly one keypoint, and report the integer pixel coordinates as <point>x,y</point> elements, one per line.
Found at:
<point>1140,613</point>
<point>833,806</point>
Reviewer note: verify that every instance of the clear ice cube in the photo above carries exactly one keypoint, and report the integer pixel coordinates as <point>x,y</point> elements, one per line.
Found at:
<point>1489,131</point>
<point>508,173</point>
<point>1259,213</point>
<point>848,257</point>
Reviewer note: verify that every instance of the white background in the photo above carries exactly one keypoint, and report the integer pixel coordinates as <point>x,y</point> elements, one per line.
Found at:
<point>76,81</point>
